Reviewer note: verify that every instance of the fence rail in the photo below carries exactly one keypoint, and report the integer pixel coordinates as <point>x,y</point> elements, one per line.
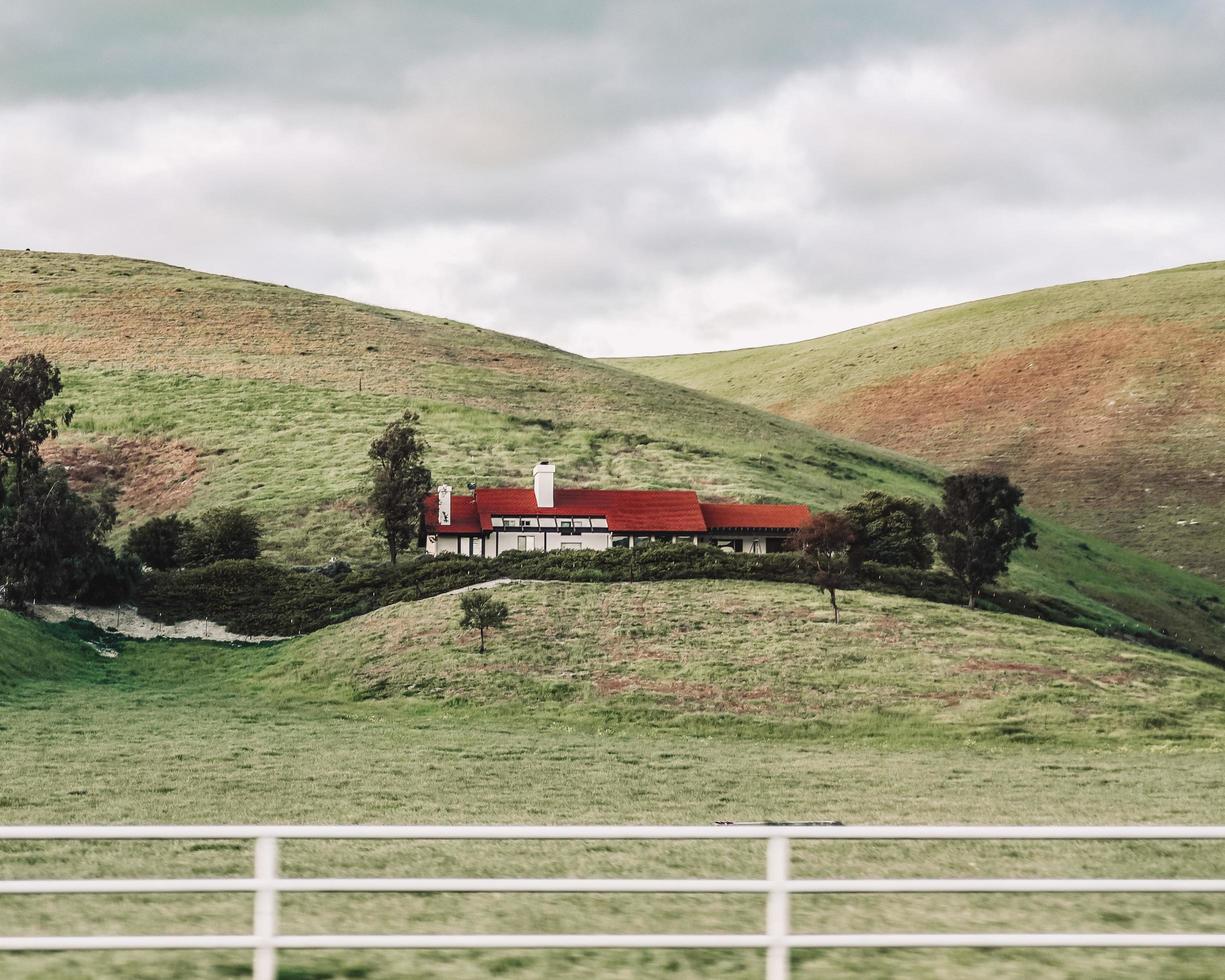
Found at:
<point>777,939</point>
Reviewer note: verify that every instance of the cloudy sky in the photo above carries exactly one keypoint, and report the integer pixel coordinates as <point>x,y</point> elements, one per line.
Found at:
<point>637,176</point>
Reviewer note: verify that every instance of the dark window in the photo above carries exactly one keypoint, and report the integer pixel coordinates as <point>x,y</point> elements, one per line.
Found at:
<point>620,540</point>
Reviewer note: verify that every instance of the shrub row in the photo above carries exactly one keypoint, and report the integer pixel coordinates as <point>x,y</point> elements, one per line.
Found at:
<point>261,598</point>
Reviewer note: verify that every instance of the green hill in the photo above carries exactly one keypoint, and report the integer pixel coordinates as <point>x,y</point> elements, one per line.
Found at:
<point>196,390</point>
<point>673,702</point>
<point>31,651</point>
<point>1105,399</point>
<point>897,669</point>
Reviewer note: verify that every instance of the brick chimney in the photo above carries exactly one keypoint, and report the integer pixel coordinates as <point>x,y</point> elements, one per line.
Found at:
<point>542,478</point>
<point>444,505</point>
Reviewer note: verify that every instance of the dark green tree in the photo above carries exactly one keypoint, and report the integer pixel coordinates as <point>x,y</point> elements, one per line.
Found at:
<point>891,531</point>
<point>52,540</point>
<point>827,544</point>
<point>221,534</point>
<point>978,527</point>
<point>159,541</point>
<point>27,383</point>
<point>400,481</point>
<point>481,611</point>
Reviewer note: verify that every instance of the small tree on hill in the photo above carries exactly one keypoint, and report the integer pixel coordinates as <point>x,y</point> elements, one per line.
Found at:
<point>826,542</point>
<point>977,528</point>
<point>481,611</point>
<point>159,541</point>
<point>27,383</point>
<point>890,531</point>
<point>221,534</point>
<point>399,483</point>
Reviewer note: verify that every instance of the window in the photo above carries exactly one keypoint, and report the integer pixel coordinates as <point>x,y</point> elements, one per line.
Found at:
<point>620,540</point>
<point>729,544</point>
<point>664,538</point>
<point>641,540</point>
<point>523,543</point>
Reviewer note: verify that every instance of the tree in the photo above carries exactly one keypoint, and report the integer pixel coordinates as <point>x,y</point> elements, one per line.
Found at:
<point>977,528</point>
<point>221,534</point>
<point>159,542</point>
<point>826,542</point>
<point>399,483</point>
<point>52,540</point>
<point>481,611</point>
<point>27,383</point>
<point>890,531</point>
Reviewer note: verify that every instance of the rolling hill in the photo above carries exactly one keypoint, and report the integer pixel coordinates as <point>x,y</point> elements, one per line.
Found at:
<point>196,390</point>
<point>1105,399</point>
<point>620,703</point>
<point>898,669</point>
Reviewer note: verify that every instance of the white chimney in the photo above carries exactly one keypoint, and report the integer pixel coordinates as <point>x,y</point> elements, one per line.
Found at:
<point>542,477</point>
<point>444,505</point>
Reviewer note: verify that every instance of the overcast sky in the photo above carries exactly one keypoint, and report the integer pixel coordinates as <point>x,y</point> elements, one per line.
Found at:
<point>624,177</point>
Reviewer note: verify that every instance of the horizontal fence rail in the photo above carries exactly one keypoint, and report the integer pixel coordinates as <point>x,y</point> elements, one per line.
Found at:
<point>777,938</point>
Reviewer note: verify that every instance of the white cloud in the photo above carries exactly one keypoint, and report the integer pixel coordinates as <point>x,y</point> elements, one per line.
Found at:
<point>613,179</point>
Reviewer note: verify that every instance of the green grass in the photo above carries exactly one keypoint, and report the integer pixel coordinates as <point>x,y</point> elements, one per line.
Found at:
<point>32,651</point>
<point>767,658</point>
<point>193,732</point>
<point>1104,398</point>
<point>262,382</point>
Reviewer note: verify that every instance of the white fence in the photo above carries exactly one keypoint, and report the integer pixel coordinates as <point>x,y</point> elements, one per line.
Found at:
<point>777,886</point>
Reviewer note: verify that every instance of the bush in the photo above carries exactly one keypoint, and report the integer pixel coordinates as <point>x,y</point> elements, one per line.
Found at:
<point>222,534</point>
<point>158,543</point>
<point>259,597</point>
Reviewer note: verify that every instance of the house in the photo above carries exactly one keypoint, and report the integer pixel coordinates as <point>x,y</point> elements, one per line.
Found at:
<point>492,520</point>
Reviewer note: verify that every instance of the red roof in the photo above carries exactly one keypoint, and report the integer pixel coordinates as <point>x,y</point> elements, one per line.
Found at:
<point>677,511</point>
<point>464,516</point>
<point>757,516</point>
<point>626,510</point>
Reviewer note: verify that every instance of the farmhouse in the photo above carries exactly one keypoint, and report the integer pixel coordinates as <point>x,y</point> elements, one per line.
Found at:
<point>492,520</point>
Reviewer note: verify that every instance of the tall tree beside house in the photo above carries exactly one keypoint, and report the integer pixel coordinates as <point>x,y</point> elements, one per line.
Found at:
<point>481,611</point>
<point>399,483</point>
<point>827,544</point>
<point>891,531</point>
<point>978,527</point>
<point>28,383</point>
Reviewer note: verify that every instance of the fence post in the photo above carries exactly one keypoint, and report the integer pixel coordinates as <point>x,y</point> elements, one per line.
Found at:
<point>266,900</point>
<point>778,908</point>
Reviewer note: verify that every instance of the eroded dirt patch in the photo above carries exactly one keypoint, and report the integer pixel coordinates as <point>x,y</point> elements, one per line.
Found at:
<point>154,476</point>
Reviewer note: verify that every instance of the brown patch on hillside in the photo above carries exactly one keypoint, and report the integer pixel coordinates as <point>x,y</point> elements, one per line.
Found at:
<point>686,695</point>
<point>1115,426</point>
<point>154,476</point>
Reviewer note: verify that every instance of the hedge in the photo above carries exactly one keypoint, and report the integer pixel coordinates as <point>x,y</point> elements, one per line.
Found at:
<point>262,598</point>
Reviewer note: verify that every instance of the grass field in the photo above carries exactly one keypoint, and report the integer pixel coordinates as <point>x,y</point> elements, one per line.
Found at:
<point>196,390</point>
<point>1105,399</point>
<point>394,718</point>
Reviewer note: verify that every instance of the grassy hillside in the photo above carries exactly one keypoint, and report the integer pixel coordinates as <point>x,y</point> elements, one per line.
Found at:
<point>196,390</point>
<point>1105,400</point>
<point>897,669</point>
<point>759,709</point>
<point>35,651</point>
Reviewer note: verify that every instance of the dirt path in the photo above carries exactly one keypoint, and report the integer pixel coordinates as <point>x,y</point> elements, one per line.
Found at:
<point>128,623</point>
